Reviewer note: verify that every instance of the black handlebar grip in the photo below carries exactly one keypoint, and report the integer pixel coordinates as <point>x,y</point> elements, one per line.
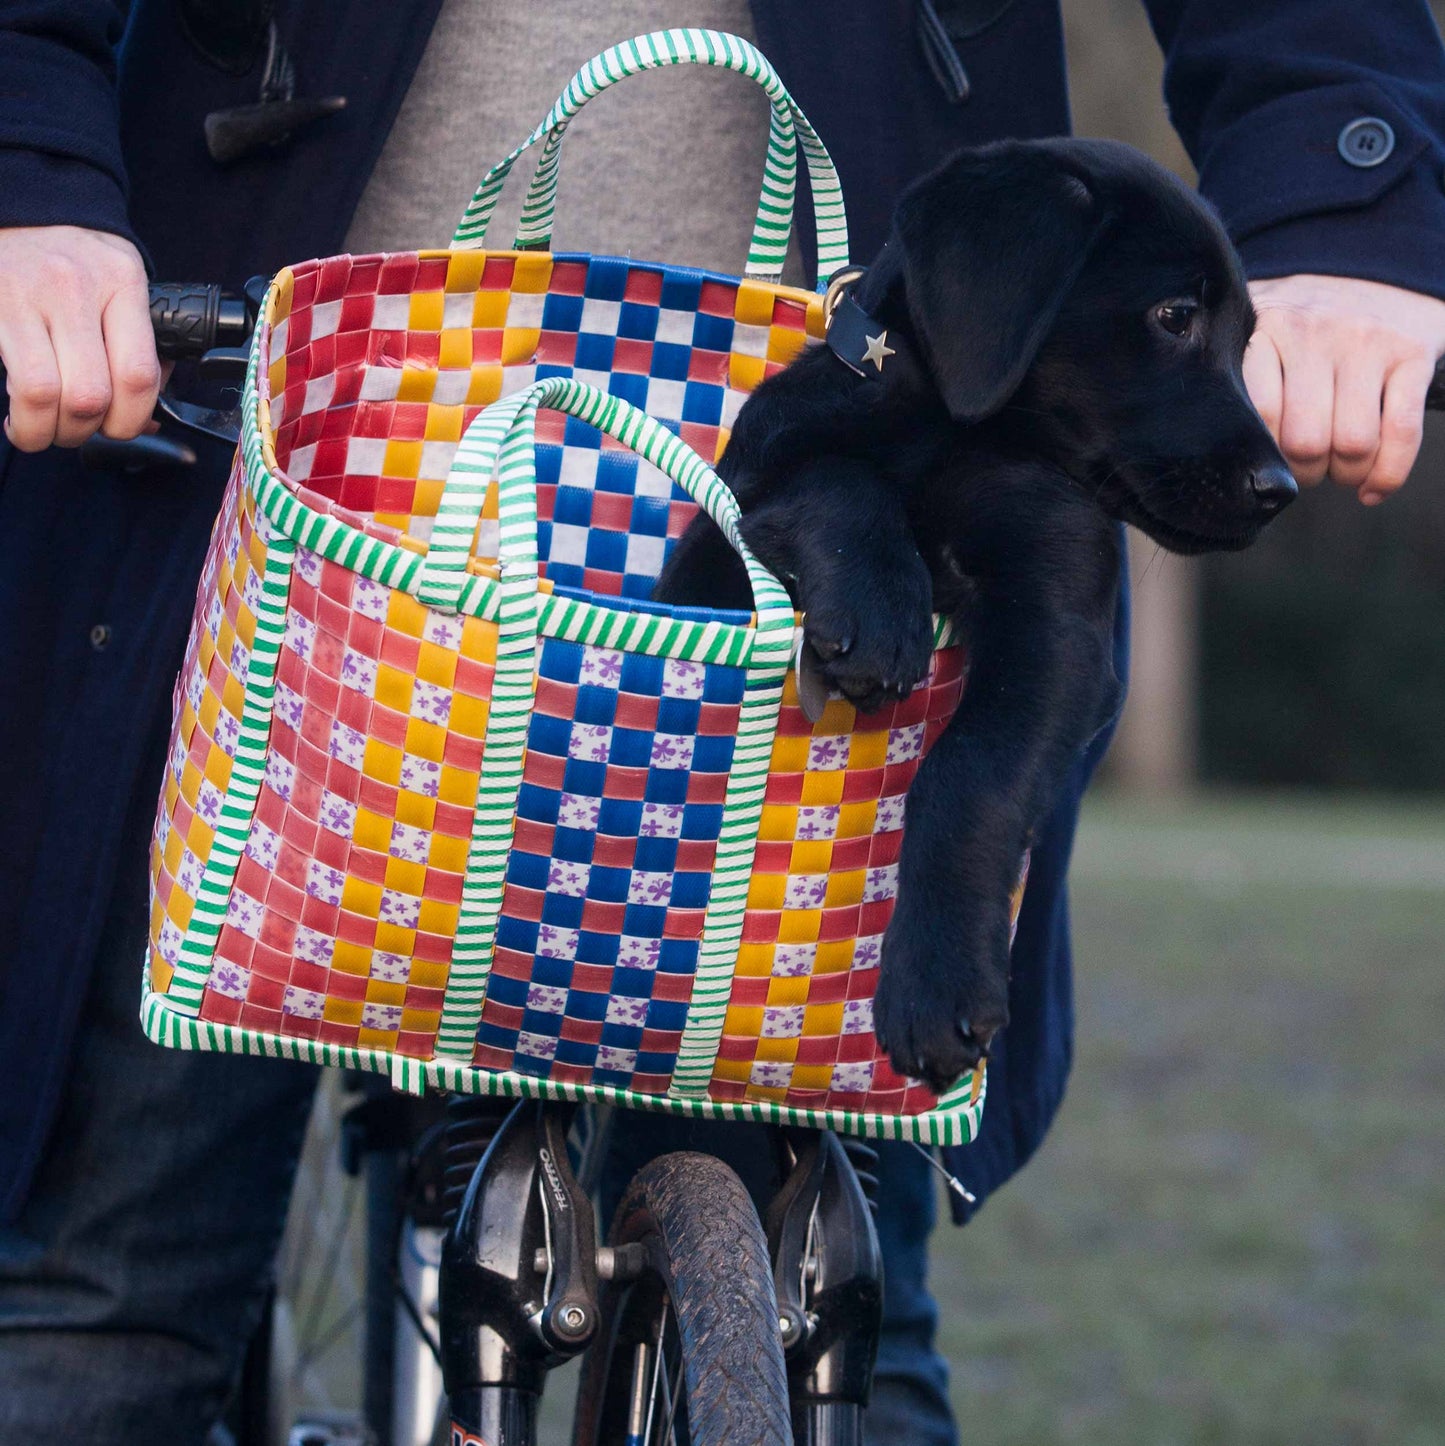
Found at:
<point>1435,397</point>
<point>184,316</point>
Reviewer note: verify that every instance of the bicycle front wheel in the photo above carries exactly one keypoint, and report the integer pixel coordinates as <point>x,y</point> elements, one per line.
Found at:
<point>689,1353</point>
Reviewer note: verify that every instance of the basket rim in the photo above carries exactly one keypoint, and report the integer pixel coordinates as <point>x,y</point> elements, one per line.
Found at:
<point>810,302</point>
<point>954,1120</point>
<point>690,634</point>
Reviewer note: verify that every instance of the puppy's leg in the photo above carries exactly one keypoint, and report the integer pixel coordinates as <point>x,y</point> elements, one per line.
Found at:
<point>704,570</point>
<point>839,536</point>
<point>1040,685</point>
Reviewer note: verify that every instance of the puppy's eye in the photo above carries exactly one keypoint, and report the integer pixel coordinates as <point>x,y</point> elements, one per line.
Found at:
<point>1176,317</point>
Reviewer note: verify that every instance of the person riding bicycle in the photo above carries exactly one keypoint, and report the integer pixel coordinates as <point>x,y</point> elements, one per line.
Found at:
<point>136,1251</point>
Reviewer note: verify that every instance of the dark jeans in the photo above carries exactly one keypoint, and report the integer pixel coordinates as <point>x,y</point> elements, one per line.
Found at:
<point>139,1264</point>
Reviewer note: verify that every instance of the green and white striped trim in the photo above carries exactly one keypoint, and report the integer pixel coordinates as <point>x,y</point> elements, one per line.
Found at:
<point>954,1122</point>
<point>501,442</point>
<point>788,125</point>
<point>248,768</point>
<point>737,845</point>
<point>514,685</point>
<point>164,1024</point>
<point>443,575</point>
<point>465,490</point>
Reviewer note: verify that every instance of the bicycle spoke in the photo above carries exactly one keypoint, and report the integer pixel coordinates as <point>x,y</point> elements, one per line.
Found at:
<point>317,1349</point>
<point>656,1372</point>
<point>638,1397</point>
<point>672,1386</point>
<point>310,1200</point>
<point>414,1315</point>
<point>672,1404</point>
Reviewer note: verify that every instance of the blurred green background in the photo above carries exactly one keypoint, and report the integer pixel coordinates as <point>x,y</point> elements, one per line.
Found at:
<point>1236,1231</point>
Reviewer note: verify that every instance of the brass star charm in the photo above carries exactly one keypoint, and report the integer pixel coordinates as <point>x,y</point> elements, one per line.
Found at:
<point>876,349</point>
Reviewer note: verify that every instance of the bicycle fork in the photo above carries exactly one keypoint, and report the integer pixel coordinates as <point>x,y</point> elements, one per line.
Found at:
<point>828,1274</point>
<point>521,1266</point>
<point>520,1269</point>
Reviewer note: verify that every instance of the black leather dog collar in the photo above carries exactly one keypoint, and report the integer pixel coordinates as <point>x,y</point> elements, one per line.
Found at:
<point>860,341</point>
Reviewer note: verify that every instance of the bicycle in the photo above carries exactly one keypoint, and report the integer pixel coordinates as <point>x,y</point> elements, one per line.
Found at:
<point>683,1342</point>
<point>524,1286</point>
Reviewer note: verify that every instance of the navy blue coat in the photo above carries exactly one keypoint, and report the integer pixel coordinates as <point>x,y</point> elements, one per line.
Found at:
<point>100,126</point>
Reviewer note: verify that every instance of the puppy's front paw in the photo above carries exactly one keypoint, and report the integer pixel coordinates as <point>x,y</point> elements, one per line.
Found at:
<point>871,635</point>
<point>939,1002</point>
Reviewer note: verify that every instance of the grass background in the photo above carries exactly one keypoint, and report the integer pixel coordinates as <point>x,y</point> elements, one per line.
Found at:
<point>1236,1231</point>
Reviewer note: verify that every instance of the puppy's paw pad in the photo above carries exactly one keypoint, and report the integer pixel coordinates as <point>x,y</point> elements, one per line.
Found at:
<point>923,1046</point>
<point>873,658</point>
<point>935,1023</point>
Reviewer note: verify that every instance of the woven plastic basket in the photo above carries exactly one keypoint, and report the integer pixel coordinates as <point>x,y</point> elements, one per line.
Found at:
<point>448,797</point>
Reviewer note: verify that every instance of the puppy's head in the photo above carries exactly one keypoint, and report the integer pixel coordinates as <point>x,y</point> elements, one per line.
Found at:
<point>1092,306</point>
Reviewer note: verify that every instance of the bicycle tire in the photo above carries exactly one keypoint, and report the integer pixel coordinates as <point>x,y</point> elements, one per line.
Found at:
<point>707,1259</point>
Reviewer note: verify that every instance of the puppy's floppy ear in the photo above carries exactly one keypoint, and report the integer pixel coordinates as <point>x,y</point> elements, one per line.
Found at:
<point>991,244</point>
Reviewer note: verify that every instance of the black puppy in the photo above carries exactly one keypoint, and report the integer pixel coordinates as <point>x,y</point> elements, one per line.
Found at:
<point>1051,342</point>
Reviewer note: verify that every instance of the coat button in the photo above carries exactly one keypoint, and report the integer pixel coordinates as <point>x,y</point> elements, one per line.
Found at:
<point>1366,142</point>
<point>100,636</point>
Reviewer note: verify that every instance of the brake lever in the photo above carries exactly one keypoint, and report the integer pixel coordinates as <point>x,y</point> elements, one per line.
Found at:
<point>159,449</point>
<point>223,424</point>
<point>135,454</point>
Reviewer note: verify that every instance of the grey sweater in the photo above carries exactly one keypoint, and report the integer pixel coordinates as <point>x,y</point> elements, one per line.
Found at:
<point>665,166</point>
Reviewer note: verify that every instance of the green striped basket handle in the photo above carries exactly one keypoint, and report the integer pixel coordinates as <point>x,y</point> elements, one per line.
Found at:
<point>501,442</point>
<point>774,222</point>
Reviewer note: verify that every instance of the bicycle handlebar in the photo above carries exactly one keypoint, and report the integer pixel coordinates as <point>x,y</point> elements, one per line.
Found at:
<point>201,322</point>
<point>191,319</point>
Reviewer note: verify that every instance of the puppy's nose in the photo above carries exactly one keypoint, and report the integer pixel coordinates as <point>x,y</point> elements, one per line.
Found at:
<point>1272,488</point>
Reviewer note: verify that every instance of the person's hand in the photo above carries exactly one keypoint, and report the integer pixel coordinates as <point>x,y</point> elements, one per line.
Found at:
<point>1338,369</point>
<point>75,336</point>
